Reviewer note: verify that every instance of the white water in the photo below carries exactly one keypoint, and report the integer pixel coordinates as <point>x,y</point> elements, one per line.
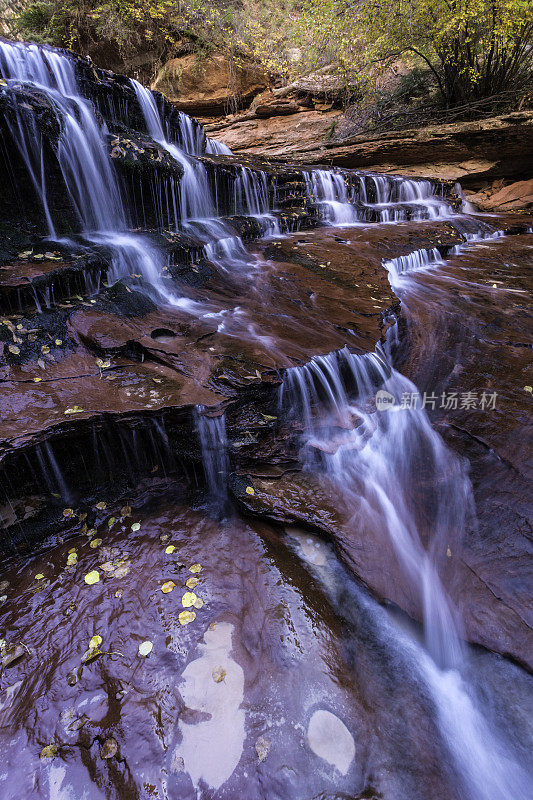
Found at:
<point>372,198</point>
<point>87,171</point>
<point>198,209</point>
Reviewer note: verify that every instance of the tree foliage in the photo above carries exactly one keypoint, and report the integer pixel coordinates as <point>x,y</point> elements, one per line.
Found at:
<point>474,48</point>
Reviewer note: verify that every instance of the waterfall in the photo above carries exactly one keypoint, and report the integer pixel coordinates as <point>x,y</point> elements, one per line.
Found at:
<point>198,209</point>
<point>363,434</point>
<point>88,175</point>
<point>372,198</point>
<point>214,447</point>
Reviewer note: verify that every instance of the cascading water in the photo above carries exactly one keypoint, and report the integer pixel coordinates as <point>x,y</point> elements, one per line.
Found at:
<point>372,198</point>
<point>198,209</point>
<point>373,458</point>
<point>87,172</point>
<point>214,447</point>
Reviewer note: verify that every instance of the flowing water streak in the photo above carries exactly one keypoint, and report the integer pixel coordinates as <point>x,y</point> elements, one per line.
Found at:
<point>214,447</point>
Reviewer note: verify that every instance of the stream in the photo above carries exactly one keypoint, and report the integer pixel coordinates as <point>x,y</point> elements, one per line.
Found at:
<point>264,456</point>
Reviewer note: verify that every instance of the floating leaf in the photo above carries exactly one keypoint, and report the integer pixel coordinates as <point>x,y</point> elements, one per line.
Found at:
<point>190,583</point>
<point>50,751</point>
<point>164,537</point>
<point>91,655</point>
<point>145,648</point>
<point>39,576</point>
<point>37,380</point>
<point>109,748</point>
<point>121,571</point>
<point>198,603</point>
<point>185,617</point>
<point>188,599</point>
<point>72,559</point>
<point>136,526</point>
<point>107,566</point>
<point>219,673</point>
<point>92,577</point>
<point>95,543</point>
<point>58,342</point>
<point>111,521</point>
<point>101,505</point>
<point>170,549</point>
<point>262,748</point>
<point>96,641</point>
<point>195,568</point>
<point>167,587</point>
<point>250,490</point>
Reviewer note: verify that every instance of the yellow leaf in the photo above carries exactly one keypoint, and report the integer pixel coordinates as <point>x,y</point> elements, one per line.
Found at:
<point>528,389</point>
<point>101,505</point>
<point>95,543</point>
<point>39,576</point>
<point>250,490</point>
<point>68,512</point>
<point>96,641</point>
<point>167,587</point>
<point>37,380</point>
<point>59,342</point>
<point>170,549</point>
<point>190,583</point>
<point>195,568</point>
<point>198,603</point>
<point>185,617</point>
<point>13,349</point>
<point>219,673</point>
<point>50,751</point>
<point>136,526</point>
<point>72,559</point>
<point>92,577</point>
<point>188,599</point>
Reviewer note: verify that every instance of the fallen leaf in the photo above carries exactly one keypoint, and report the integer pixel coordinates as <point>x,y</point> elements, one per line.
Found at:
<point>136,526</point>
<point>145,648</point>
<point>250,490</point>
<point>188,599</point>
<point>262,748</point>
<point>528,389</point>
<point>13,349</point>
<point>72,559</point>
<point>101,505</point>
<point>92,577</point>
<point>185,617</point>
<point>39,576</point>
<point>50,751</point>
<point>167,587</point>
<point>68,512</point>
<point>219,673</point>
<point>170,549</point>
<point>125,511</point>
<point>96,641</point>
<point>109,748</point>
<point>73,410</point>
<point>198,603</point>
<point>190,583</point>
<point>195,568</point>
<point>119,592</point>
<point>95,543</point>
